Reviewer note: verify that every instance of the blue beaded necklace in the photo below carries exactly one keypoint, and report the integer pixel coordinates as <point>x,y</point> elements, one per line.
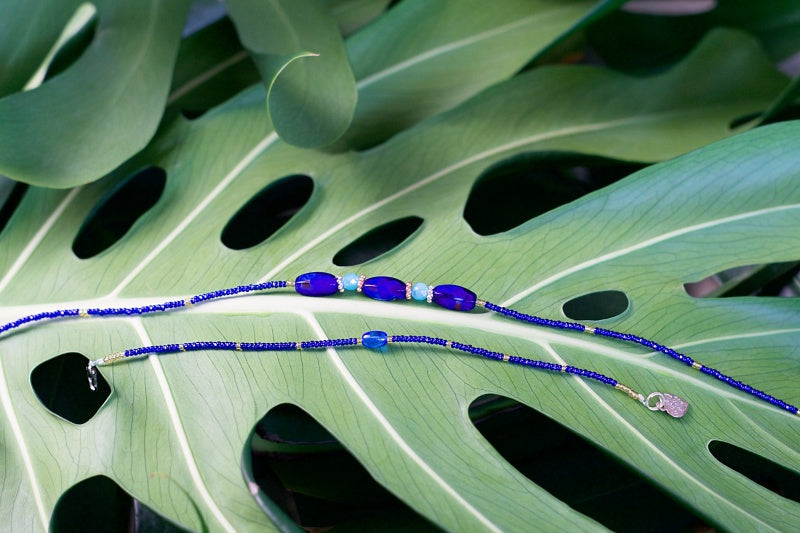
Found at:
<point>384,288</point>
<point>376,340</point>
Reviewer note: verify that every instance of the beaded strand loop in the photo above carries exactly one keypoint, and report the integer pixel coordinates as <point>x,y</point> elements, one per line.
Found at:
<point>454,297</point>
<point>376,340</point>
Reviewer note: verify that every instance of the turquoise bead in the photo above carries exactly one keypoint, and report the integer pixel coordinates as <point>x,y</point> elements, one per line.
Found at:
<point>419,291</point>
<point>374,339</point>
<point>350,281</point>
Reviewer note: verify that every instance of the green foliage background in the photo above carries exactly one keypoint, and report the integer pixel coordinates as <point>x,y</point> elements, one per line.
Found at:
<point>394,112</point>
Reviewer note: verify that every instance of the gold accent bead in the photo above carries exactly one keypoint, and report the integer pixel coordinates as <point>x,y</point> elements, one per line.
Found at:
<point>506,357</point>
<point>83,313</point>
<point>181,347</point>
<point>697,366</point>
<point>448,344</point>
<point>187,302</point>
<point>480,303</point>
<point>588,329</point>
<point>290,283</point>
<point>629,391</point>
<point>239,346</point>
<point>563,368</point>
<point>110,358</point>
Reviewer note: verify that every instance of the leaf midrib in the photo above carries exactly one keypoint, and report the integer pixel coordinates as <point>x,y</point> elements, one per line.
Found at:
<point>646,243</point>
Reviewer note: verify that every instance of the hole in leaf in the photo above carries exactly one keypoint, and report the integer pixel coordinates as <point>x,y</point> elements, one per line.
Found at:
<point>573,470</point>
<point>518,189</point>
<point>377,241</point>
<point>739,122</point>
<point>118,211</point>
<point>766,473</point>
<point>60,384</point>
<point>267,212</point>
<point>99,504</point>
<point>598,305</point>
<point>11,194</point>
<point>771,279</point>
<point>305,475</point>
<point>74,47</point>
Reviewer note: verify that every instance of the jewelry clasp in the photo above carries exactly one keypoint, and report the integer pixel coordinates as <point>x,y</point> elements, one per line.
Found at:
<point>91,375</point>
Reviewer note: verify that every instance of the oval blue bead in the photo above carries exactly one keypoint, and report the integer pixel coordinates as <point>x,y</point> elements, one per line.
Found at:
<point>316,284</point>
<point>454,297</point>
<point>374,339</point>
<point>384,288</point>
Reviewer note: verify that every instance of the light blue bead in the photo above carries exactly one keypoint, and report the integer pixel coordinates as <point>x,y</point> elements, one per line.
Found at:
<point>374,339</point>
<point>350,281</point>
<point>419,291</point>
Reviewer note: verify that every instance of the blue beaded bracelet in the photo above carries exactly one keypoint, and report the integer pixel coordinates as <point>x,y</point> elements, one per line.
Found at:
<point>375,340</point>
<point>384,288</point>
<point>460,298</point>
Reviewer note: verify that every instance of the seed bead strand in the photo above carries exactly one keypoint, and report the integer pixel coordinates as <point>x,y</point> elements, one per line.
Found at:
<point>376,340</point>
<point>627,337</point>
<point>458,298</point>
<point>145,309</point>
<point>454,297</point>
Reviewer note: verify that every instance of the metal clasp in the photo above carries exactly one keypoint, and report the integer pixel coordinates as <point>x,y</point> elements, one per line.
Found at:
<point>674,406</point>
<point>91,375</point>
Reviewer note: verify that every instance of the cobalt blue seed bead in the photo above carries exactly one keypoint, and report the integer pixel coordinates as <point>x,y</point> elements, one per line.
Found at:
<point>384,288</point>
<point>316,284</point>
<point>454,297</point>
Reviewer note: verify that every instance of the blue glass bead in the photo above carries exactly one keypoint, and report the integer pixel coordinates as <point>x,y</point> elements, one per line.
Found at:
<point>316,284</point>
<point>350,281</point>
<point>374,339</point>
<point>419,291</point>
<point>454,297</point>
<point>384,288</point>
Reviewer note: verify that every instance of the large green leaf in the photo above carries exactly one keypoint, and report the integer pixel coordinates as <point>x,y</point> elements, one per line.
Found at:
<point>105,107</point>
<point>173,431</point>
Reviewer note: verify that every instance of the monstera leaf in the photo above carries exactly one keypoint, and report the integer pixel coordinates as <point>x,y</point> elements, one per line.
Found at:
<point>174,428</point>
